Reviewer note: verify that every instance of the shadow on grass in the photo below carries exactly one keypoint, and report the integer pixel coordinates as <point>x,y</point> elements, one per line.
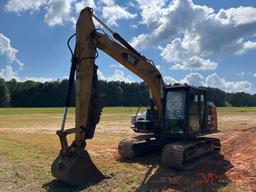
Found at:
<point>209,176</point>
<point>59,186</point>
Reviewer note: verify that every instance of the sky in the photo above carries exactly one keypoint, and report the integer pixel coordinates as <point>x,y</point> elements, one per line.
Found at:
<point>199,42</point>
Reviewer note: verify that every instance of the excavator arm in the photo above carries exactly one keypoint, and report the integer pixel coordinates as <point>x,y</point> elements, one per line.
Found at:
<point>73,165</point>
<point>88,39</point>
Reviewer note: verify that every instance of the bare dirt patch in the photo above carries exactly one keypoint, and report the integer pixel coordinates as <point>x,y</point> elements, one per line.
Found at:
<point>239,147</point>
<point>233,170</point>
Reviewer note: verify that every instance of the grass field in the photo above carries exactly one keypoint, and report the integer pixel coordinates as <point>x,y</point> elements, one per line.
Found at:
<point>28,145</point>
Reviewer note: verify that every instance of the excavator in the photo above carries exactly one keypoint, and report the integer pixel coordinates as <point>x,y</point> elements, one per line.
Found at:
<point>176,122</point>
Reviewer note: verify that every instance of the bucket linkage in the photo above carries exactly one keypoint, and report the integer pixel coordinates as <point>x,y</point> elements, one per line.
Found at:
<point>73,164</point>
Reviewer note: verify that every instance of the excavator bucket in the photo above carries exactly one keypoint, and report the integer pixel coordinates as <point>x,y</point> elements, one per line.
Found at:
<point>76,169</point>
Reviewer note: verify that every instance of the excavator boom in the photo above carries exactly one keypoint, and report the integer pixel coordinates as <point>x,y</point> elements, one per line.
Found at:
<point>73,165</point>
<point>136,64</point>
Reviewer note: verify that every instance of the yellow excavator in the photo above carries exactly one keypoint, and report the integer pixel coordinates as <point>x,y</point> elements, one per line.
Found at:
<point>175,123</point>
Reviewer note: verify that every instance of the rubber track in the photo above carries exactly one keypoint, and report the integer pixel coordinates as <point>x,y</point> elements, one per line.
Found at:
<point>173,154</point>
<point>126,146</point>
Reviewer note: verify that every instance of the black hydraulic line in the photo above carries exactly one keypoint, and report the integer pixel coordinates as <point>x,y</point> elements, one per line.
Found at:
<point>71,81</point>
<point>125,43</point>
<point>71,78</point>
<point>121,40</point>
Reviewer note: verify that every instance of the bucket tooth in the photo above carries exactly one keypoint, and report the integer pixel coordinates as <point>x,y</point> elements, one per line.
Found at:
<point>76,169</point>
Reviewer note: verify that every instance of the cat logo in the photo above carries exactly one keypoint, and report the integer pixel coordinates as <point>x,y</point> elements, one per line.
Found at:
<point>131,59</point>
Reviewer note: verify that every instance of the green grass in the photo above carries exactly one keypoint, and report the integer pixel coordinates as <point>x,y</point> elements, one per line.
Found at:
<point>54,110</point>
<point>236,111</point>
<point>17,111</point>
<point>236,117</point>
<point>28,145</point>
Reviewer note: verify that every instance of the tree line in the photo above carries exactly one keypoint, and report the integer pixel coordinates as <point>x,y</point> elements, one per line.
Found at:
<point>52,94</point>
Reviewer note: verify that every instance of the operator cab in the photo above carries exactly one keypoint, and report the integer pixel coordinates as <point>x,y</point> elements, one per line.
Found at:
<point>187,114</point>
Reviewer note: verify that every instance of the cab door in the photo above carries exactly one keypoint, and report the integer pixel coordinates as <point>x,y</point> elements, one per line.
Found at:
<point>194,115</point>
<point>196,112</point>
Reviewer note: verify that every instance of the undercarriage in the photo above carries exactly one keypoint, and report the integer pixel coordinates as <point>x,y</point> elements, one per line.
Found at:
<point>180,154</point>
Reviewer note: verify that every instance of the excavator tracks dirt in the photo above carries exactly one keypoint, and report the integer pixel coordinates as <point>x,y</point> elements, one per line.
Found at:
<point>180,154</point>
<point>188,154</point>
<point>139,146</point>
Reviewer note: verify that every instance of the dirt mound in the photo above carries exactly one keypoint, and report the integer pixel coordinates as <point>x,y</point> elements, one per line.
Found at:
<point>239,147</point>
<point>234,168</point>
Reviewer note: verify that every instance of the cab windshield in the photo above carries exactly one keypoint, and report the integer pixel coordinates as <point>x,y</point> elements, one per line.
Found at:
<point>175,112</point>
<point>175,105</point>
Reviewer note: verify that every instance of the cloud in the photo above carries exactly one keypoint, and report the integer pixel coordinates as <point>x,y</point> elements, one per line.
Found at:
<point>248,45</point>
<point>108,2</point>
<point>114,13</point>
<point>151,11</point>
<point>212,80</point>
<point>116,66</point>
<point>117,76</point>
<point>7,73</point>
<point>169,80</point>
<point>38,79</point>
<point>195,79</point>
<point>134,26</point>
<point>195,31</point>
<point>195,63</point>
<point>243,73</point>
<point>184,59</point>
<point>58,11</point>
<point>109,10</point>
<point>8,51</point>
<point>6,48</point>
<point>167,21</point>
<point>24,5</point>
<point>84,3</point>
